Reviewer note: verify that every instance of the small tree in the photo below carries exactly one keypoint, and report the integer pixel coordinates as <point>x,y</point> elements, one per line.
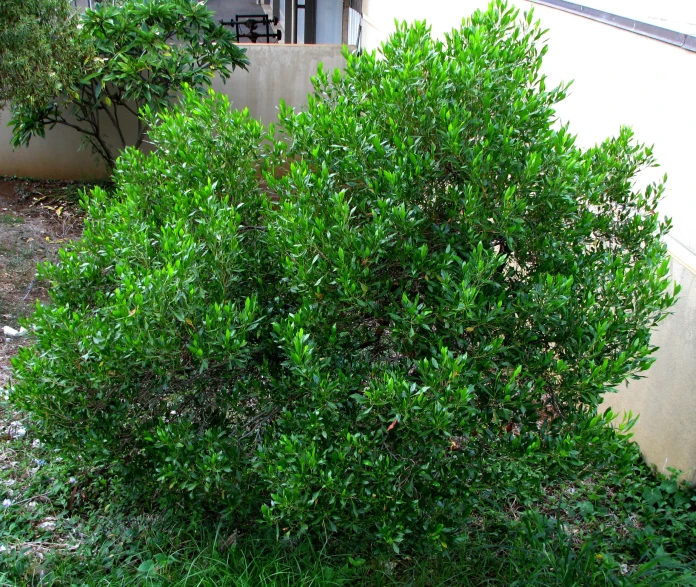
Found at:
<point>131,54</point>
<point>439,283</point>
<point>37,55</point>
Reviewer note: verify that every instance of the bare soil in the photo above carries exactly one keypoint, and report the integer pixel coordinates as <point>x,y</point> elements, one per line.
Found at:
<point>36,219</point>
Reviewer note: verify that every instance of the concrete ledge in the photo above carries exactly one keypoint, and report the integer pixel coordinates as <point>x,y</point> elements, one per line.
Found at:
<point>657,33</point>
<point>680,253</point>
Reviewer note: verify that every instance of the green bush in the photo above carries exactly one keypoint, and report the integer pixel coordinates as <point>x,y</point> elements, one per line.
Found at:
<point>116,60</point>
<point>430,280</point>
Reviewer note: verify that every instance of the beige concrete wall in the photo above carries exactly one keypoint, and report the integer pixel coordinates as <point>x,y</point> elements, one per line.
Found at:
<point>276,72</point>
<point>620,78</point>
<point>666,398</point>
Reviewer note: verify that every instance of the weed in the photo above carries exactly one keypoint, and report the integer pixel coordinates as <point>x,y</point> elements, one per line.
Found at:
<point>11,219</point>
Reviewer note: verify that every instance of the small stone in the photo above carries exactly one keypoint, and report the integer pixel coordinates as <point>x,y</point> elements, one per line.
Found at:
<point>11,332</point>
<point>48,525</point>
<point>16,430</point>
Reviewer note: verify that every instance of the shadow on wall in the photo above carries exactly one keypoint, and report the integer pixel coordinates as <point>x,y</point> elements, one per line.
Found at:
<point>666,398</point>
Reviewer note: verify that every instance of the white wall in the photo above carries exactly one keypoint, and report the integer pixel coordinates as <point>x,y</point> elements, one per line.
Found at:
<point>442,15</point>
<point>619,78</point>
<point>666,398</point>
<point>676,15</point>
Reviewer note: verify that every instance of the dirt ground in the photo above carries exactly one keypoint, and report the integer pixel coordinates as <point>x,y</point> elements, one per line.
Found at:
<point>36,219</point>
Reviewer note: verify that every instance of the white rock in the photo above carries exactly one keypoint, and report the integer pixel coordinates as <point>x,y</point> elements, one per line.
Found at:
<point>49,525</point>
<point>9,331</point>
<point>16,430</point>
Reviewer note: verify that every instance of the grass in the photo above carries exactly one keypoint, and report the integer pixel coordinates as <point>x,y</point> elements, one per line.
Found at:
<point>11,219</point>
<point>534,559</point>
<point>614,524</point>
<point>18,257</point>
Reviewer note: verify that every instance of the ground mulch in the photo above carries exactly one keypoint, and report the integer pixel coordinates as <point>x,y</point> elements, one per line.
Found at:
<point>36,219</point>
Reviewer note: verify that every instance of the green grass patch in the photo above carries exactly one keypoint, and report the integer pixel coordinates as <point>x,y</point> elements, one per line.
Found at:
<point>11,219</point>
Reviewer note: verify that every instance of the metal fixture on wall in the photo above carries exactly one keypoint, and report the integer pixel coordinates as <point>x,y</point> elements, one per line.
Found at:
<point>354,33</point>
<point>252,27</point>
<point>305,31</point>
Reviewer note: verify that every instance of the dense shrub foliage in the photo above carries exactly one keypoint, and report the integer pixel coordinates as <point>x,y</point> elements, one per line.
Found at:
<point>109,63</point>
<point>430,280</point>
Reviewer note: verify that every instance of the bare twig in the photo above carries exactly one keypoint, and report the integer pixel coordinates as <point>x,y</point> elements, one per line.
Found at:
<point>31,286</point>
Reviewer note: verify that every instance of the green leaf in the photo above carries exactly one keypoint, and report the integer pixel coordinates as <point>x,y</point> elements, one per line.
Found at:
<point>652,495</point>
<point>147,566</point>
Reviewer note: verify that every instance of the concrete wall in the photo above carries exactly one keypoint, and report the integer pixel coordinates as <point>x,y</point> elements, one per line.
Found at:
<point>279,72</point>
<point>276,72</point>
<point>666,398</point>
<point>620,78</point>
